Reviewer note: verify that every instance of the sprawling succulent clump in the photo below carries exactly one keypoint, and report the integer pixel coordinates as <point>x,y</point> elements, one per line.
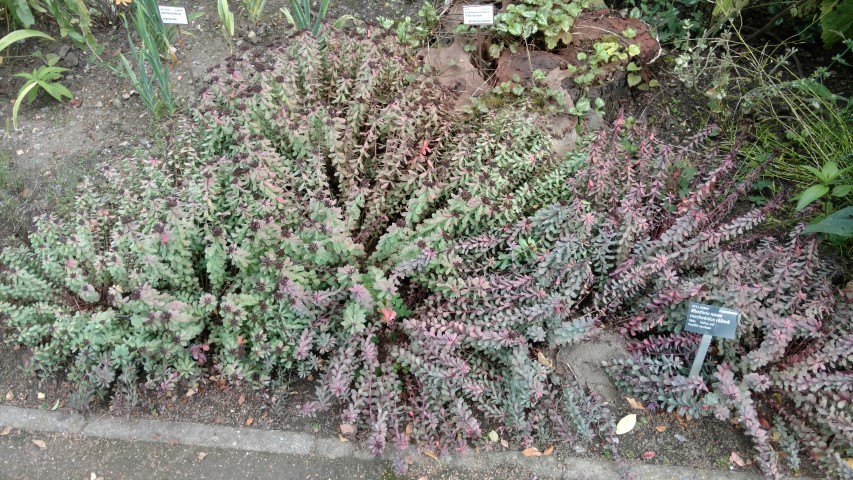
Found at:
<point>790,362</point>
<point>323,212</point>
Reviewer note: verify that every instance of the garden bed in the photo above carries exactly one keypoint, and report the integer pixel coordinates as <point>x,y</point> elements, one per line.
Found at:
<point>57,146</point>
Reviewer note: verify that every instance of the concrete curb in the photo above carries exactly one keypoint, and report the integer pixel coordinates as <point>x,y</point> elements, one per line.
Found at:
<point>295,443</point>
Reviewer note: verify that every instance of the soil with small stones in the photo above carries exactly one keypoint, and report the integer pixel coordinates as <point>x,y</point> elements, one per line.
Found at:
<point>106,121</point>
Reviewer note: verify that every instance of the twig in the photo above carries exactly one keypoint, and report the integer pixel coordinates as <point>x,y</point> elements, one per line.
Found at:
<point>92,423</point>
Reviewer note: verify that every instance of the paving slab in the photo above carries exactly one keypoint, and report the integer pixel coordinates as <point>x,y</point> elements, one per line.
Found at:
<point>75,447</point>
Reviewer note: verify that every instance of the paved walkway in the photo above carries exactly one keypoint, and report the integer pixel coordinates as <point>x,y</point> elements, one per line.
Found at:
<point>58,446</point>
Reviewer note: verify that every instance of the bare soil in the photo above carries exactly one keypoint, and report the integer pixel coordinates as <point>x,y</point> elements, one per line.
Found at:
<point>60,143</point>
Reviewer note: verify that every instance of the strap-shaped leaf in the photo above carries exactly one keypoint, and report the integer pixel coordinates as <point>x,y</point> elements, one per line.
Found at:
<point>19,35</point>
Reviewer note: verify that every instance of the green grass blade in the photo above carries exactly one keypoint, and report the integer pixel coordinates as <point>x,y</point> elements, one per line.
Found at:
<point>324,7</point>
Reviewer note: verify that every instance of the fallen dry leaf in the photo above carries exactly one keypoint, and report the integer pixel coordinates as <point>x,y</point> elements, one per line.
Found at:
<point>548,451</point>
<point>6,431</point>
<point>342,438</point>
<point>504,443</point>
<point>848,292</point>
<point>10,396</point>
<point>764,423</point>
<point>735,459</point>
<point>40,444</point>
<point>850,462</point>
<point>191,392</point>
<point>544,360</point>
<point>201,455</point>
<point>347,429</point>
<point>635,404</point>
<point>681,420</point>
<point>431,455</point>
<point>626,424</point>
<point>423,478</point>
<point>648,455</point>
<point>242,399</point>
<point>250,421</point>
<point>661,428</point>
<point>531,452</point>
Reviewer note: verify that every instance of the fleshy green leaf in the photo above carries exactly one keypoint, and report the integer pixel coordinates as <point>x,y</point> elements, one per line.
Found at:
<point>810,195</point>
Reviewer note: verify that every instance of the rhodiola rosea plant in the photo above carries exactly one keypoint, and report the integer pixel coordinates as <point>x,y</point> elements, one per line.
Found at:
<point>786,377</point>
<point>324,212</point>
<point>286,231</point>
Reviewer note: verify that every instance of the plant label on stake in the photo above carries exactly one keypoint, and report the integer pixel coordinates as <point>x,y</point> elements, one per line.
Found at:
<point>173,15</point>
<point>710,321</point>
<point>478,14</point>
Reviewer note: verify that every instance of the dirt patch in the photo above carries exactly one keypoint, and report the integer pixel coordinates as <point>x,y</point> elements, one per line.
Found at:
<point>582,362</point>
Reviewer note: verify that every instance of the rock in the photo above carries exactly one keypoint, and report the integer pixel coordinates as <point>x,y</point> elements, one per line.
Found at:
<point>262,30</point>
<point>71,60</point>
<point>454,70</point>
<point>599,25</point>
<point>253,37</point>
<point>117,102</point>
<point>63,51</point>
<point>126,96</point>
<point>593,121</point>
<point>99,104</point>
<point>562,128</point>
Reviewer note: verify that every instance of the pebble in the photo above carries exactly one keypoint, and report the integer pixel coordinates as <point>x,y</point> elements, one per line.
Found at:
<point>680,438</point>
<point>117,102</point>
<point>126,96</point>
<point>63,51</point>
<point>253,37</point>
<point>71,60</point>
<point>99,104</point>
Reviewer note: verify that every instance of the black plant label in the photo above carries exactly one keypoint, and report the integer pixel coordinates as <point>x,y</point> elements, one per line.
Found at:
<point>712,320</point>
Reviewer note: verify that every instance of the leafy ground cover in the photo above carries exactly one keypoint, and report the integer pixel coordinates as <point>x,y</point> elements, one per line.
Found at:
<point>321,214</point>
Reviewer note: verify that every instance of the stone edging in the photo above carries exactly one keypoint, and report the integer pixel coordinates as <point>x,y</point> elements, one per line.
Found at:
<point>295,443</point>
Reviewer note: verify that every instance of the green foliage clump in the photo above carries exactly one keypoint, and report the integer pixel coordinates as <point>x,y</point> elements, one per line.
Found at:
<point>75,18</point>
<point>548,21</point>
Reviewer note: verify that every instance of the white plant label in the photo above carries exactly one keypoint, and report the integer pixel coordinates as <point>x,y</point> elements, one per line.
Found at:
<point>478,14</point>
<point>173,15</point>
